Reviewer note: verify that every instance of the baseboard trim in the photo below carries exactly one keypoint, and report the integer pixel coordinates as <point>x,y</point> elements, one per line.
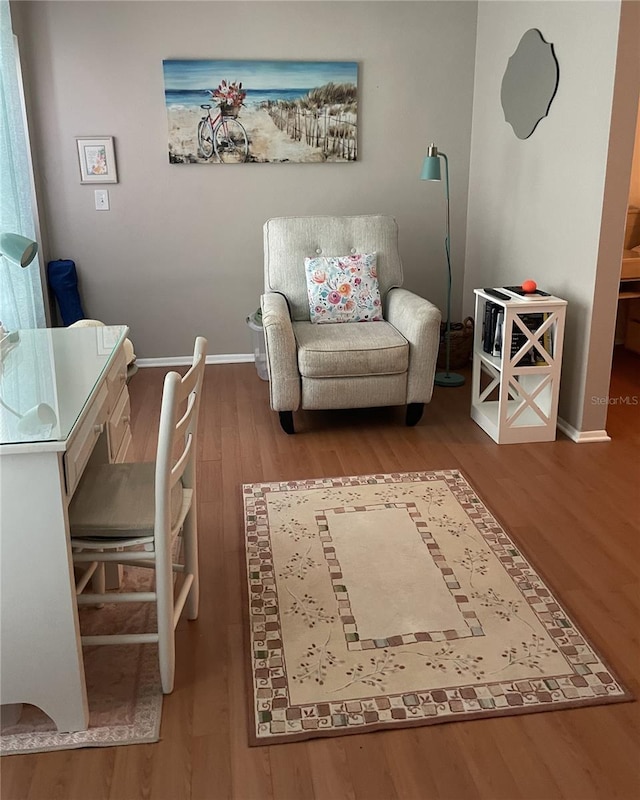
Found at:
<point>184,361</point>
<point>582,437</point>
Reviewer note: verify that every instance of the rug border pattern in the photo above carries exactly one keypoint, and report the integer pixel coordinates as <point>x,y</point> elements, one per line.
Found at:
<point>275,720</point>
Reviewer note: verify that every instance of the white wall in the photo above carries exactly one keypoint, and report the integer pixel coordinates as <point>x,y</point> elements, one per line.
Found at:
<point>535,205</point>
<point>180,252</point>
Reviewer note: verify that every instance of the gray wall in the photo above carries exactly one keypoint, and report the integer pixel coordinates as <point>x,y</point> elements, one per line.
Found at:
<point>536,205</point>
<point>180,252</point>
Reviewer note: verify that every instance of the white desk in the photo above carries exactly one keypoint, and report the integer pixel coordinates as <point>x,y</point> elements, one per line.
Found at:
<point>80,373</point>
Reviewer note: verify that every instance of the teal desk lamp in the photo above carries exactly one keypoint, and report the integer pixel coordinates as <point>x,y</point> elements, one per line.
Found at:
<point>431,172</point>
<point>35,421</point>
<point>18,248</point>
<point>22,251</point>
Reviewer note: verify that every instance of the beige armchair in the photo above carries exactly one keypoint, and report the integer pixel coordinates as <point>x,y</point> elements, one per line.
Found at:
<point>344,365</point>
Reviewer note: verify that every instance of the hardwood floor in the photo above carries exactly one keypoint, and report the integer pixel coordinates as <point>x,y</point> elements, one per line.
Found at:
<point>572,508</point>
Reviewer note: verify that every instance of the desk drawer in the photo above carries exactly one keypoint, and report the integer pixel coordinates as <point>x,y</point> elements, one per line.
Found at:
<point>82,444</point>
<point>119,423</point>
<point>116,380</point>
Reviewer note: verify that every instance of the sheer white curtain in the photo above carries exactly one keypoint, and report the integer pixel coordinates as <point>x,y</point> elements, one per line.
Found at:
<point>21,299</point>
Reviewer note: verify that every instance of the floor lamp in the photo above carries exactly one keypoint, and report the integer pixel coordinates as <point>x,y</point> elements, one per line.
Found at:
<point>431,172</point>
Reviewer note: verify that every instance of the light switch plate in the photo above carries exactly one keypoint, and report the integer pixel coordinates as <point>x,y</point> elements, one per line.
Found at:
<point>102,200</point>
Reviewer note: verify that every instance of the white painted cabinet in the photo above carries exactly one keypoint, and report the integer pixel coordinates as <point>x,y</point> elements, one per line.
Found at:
<point>81,376</point>
<point>517,357</point>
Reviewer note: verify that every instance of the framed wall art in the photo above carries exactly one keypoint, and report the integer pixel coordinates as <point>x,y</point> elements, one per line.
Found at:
<point>97,159</point>
<point>235,112</point>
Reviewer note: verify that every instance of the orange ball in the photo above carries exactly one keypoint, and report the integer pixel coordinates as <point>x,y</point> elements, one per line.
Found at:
<point>529,286</point>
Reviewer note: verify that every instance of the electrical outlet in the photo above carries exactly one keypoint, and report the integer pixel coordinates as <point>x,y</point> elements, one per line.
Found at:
<point>102,200</point>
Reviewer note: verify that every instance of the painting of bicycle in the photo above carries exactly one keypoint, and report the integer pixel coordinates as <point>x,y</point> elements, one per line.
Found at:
<point>236,112</point>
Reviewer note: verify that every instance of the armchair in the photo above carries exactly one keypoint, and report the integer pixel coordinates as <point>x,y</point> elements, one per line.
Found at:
<point>345,365</point>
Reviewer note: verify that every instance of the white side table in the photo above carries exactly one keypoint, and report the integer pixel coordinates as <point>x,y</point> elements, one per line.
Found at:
<point>514,396</point>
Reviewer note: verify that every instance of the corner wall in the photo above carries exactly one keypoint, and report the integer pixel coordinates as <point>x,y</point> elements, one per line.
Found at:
<point>535,205</point>
<point>180,251</point>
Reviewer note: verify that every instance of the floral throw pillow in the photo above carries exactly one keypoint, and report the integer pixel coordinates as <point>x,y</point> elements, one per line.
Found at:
<point>343,288</point>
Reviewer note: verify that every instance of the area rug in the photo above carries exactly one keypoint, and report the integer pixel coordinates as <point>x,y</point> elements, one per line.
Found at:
<point>123,684</point>
<point>384,601</point>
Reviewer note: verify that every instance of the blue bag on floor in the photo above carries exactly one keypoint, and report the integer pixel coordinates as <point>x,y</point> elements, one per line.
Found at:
<point>63,281</point>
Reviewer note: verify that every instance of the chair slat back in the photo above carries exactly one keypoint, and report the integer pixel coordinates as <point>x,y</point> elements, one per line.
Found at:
<point>175,457</point>
<point>178,469</point>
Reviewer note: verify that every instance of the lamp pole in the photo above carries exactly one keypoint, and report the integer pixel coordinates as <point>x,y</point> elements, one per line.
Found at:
<point>431,171</point>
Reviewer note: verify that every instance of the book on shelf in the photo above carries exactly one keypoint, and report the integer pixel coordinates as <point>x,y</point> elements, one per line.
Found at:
<point>489,325</point>
<point>532,357</point>
<point>493,335</point>
<point>498,334</point>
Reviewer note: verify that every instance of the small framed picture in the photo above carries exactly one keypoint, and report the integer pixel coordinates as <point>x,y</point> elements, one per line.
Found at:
<point>97,159</point>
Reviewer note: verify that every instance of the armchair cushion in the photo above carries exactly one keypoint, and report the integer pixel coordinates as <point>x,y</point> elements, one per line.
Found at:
<point>350,350</point>
<point>343,288</point>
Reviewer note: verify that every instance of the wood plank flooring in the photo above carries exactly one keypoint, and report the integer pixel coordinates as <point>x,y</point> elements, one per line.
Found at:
<point>572,508</point>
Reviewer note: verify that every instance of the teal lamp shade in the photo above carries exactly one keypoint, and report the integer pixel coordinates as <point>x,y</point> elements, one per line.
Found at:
<point>431,165</point>
<point>18,248</point>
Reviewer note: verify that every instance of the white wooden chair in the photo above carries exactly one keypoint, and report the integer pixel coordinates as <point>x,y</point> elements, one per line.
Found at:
<point>132,513</point>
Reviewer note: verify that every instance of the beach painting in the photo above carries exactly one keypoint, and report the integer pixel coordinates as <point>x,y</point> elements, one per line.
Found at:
<point>235,112</point>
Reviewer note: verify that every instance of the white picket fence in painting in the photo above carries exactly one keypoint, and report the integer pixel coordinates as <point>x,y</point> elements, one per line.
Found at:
<point>335,133</point>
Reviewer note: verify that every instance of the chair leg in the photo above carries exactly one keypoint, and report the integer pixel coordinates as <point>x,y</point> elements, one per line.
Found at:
<point>414,413</point>
<point>166,634</point>
<point>112,575</point>
<point>98,582</point>
<point>167,655</point>
<point>286,421</point>
<point>190,545</point>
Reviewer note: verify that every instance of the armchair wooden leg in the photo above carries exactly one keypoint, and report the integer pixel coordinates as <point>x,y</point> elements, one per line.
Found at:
<point>414,413</point>
<point>286,421</point>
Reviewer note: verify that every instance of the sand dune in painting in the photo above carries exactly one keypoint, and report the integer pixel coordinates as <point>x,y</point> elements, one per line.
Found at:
<point>267,143</point>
